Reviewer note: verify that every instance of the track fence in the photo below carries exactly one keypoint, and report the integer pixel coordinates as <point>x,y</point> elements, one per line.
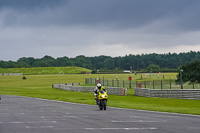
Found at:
<point>153,84</point>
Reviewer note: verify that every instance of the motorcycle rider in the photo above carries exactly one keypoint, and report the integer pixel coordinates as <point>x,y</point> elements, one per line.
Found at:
<point>96,91</point>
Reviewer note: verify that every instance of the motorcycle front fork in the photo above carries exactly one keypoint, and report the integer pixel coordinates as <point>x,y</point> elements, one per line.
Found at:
<point>96,100</point>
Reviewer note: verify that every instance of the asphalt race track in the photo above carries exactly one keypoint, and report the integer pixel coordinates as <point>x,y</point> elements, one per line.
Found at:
<point>31,115</point>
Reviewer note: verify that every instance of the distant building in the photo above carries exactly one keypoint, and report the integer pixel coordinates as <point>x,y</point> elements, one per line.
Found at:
<point>127,71</point>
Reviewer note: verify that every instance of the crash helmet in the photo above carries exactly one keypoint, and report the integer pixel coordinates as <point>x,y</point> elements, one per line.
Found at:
<point>99,86</point>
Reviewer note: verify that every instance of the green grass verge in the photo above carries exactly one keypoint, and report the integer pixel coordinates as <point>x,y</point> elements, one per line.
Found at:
<point>45,70</point>
<point>40,86</point>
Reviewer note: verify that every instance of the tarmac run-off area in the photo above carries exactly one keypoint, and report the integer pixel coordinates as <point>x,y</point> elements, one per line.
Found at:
<point>34,115</point>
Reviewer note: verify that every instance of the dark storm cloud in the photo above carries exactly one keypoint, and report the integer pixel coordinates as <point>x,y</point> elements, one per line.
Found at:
<point>117,14</point>
<point>95,27</point>
<point>134,13</point>
<point>29,4</point>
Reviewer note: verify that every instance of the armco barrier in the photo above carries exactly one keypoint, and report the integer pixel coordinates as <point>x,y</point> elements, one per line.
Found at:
<point>169,93</point>
<point>110,90</point>
<point>6,74</point>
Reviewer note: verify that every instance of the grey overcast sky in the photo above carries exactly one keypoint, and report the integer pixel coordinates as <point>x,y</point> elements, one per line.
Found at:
<point>35,28</point>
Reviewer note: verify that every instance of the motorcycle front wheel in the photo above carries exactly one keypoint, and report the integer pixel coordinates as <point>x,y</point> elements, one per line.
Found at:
<point>100,105</point>
<point>104,104</point>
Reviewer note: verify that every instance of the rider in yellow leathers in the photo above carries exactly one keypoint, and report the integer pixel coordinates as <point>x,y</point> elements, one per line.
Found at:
<point>96,91</point>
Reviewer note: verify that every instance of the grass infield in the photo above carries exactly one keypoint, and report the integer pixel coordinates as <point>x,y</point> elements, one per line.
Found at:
<point>40,86</point>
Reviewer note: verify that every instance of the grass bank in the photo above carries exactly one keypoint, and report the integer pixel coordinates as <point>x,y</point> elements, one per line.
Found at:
<point>40,86</point>
<point>45,70</point>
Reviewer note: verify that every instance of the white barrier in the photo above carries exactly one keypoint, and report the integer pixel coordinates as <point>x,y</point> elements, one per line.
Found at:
<point>7,74</point>
<point>169,93</point>
<point>110,90</point>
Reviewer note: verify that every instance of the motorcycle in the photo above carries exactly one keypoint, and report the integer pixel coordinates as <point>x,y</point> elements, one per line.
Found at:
<point>102,100</point>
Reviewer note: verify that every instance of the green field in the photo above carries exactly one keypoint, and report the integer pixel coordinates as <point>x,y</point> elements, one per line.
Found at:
<point>139,76</point>
<point>40,86</point>
<point>45,70</point>
<point>148,80</point>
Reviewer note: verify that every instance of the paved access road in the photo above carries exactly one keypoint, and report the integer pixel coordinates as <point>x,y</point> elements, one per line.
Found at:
<point>31,115</point>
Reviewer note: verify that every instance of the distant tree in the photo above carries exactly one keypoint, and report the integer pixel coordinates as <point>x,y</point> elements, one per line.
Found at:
<point>153,68</point>
<point>48,61</point>
<point>98,62</point>
<point>8,64</point>
<point>3,64</point>
<point>29,61</point>
<point>62,61</point>
<point>189,72</point>
<point>109,63</point>
<point>41,63</point>
<point>82,61</point>
<point>46,57</point>
<point>136,62</point>
<point>25,62</point>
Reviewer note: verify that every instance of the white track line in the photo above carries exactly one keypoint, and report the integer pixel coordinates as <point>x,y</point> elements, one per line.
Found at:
<point>150,128</point>
<point>131,121</point>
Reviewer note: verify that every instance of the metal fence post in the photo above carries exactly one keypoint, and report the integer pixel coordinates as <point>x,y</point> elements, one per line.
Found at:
<point>136,84</point>
<point>193,85</point>
<point>170,84</point>
<point>153,84</point>
<point>112,83</point>
<point>181,85</point>
<point>161,84</point>
<point>117,83</point>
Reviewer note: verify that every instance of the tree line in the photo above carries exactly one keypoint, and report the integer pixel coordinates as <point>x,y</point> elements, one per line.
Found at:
<point>189,72</point>
<point>143,62</point>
